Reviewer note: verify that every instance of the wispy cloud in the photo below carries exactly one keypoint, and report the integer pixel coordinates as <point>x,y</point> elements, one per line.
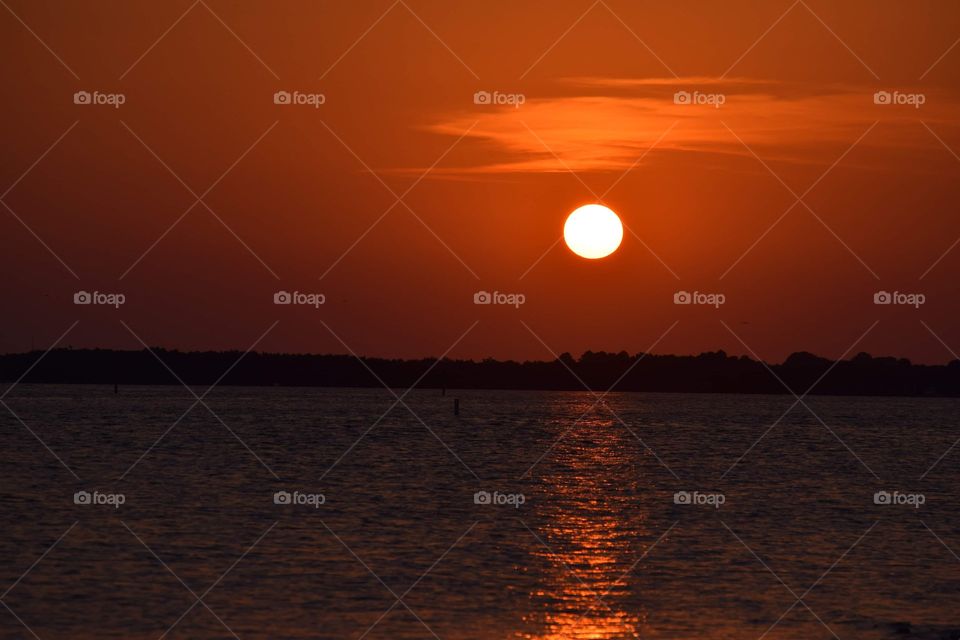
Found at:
<point>606,124</point>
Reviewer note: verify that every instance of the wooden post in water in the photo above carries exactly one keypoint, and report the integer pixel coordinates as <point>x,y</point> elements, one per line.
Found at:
<point>456,406</point>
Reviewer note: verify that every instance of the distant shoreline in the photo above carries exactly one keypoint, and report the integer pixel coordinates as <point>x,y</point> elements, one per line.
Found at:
<point>452,391</point>
<point>714,372</point>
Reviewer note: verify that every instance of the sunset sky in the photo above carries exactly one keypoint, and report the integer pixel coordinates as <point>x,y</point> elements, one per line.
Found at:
<point>298,198</point>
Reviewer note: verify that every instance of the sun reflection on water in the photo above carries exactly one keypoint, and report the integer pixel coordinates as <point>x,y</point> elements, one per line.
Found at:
<point>587,536</point>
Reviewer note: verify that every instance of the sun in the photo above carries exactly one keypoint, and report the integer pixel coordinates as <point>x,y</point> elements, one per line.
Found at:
<point>593,231</point>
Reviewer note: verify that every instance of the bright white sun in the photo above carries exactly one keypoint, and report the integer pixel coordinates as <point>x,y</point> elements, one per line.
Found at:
<point>593,231</point>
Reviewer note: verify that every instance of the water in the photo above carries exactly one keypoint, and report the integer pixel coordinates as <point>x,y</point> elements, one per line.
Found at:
<point>399,549</point>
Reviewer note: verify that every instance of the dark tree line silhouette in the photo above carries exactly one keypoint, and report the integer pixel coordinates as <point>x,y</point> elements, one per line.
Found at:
<point>713,372</point>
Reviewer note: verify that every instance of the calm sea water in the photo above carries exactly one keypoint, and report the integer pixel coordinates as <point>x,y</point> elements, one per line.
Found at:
<point>386,536</point>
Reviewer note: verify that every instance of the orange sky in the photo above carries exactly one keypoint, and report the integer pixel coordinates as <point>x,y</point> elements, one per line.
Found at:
<point>703,191</point>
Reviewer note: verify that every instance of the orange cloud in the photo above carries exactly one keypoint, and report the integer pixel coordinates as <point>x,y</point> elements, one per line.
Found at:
<point>608,124</point>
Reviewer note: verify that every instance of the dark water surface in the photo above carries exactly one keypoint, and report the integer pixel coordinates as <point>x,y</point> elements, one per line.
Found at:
<point>588,542</point>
